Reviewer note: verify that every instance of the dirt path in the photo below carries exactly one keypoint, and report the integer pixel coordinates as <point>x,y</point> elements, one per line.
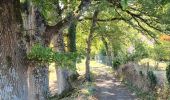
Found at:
<point>109,88</point>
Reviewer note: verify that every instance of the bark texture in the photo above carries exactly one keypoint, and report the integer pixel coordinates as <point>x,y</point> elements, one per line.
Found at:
<point>13,67</point>
<point>37,74</point>
<point>89,42</point>
<point>38,82</point>
<point>63,82</point>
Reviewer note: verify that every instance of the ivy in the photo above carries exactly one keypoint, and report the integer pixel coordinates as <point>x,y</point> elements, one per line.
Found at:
<point>152,79</point>
<point>168,73</point>
<point>41,54</point>
<point>124,3</point>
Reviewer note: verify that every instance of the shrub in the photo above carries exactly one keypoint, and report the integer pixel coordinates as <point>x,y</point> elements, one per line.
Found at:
<point>168,73</point>
<point>141,73</point>
<point>152,79</point>
<point>41,54</point>
<point>116,64</point>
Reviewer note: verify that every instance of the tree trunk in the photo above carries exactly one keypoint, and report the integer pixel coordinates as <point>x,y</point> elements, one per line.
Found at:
<point>38,82</point>
<point>71,43</point>
<point>87,74</point>
<point>108,53</point>
<point>37,74</point>
<point>13,67</point>
<point>64,85</point>
<point>106,45</point>
<point>71,46</point>
<point>89,42</point>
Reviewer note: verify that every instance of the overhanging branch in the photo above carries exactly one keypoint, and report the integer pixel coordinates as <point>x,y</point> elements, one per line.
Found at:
<point>143,20</point>
<point>61,24</point>
<point>104,20</point>
<point>51,30</point>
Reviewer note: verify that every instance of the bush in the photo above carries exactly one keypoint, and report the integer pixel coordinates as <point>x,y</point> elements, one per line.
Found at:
<point>152,79</point>
<point>140,51</point>
<point>141,73</point>
<point>116,64</point>
<point>168,73</point>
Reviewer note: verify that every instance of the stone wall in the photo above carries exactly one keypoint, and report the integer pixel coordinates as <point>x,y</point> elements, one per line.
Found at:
<point>131,73</point>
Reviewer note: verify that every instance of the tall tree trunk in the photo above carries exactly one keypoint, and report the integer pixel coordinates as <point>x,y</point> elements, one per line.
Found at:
<point>71,43</point>
<point>63,82</point>
<point>13,67</point>
<point>108,53</point>
<point>71,46</point>
<point>37,74</point>
<point>38,82</point>
<point>89,42</point>
<point>106,45</point>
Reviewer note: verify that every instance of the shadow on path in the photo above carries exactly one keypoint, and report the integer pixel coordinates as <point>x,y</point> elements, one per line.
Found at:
<point>108,87</point>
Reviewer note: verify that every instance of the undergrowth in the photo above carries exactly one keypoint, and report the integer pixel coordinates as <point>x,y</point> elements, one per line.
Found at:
<point>82,89</point>
<point>140,94</point>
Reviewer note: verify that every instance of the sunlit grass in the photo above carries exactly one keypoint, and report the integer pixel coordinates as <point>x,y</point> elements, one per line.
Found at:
<point>83,90</point>
<point>87,88</point>
<point>81,66</point>
<point>156,65</point>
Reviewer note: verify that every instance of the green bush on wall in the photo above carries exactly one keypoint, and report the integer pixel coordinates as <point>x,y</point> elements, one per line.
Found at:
<point>116,64</point>
<point>152,79</point>
<point>41,54</point>
<point>168,73</point>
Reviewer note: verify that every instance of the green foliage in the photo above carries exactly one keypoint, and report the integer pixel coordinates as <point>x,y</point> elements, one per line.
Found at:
<point>124,3</point>
<point>141,73</point>
<point>52,13</point>
<point>162,51</point>
<point>151,95</point>
<point>116,64</point>
<point>102,51</point>
<point>42,54</point>
<point>168,73</point>
<point>152,79</point>
<point>72,37</point>
<point>141,51</point>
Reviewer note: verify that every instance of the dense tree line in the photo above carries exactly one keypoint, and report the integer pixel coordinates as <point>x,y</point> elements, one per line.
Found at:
<point>28,27</point>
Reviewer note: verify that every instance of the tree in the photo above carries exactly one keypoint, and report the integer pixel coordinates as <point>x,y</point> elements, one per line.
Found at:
<point>89,42</point>
<point>62,74</point>
<point>63,83</point>
<point>71,46</point>
<point>55,32</point>
<point>37,74</point>
<point>13,70</point>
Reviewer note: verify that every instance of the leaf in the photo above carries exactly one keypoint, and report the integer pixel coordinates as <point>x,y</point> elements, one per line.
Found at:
<point>124,4</point>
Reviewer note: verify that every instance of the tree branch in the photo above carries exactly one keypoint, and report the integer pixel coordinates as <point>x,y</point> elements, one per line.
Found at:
<point>61,24</point>
<point>143,20</point>
<point>51,30</point>
<point>141,29</point>
<point>103,20</point>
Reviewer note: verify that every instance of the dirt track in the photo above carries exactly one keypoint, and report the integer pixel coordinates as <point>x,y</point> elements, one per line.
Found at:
<point>109,88</point>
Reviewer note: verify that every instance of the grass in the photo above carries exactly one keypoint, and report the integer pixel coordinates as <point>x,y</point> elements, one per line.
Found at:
<point>153,64</point>
<point>81,67</point>
<point>140,94</point>
<point>83,90</point>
